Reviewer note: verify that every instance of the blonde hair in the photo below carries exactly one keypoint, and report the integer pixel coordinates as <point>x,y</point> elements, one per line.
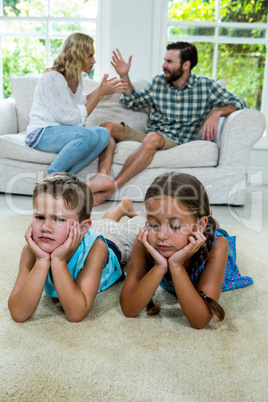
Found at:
<point>74,192</point>
<point>71,61</point>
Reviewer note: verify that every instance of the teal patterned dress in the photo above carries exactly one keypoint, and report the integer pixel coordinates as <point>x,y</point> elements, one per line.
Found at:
<point>232,278</point>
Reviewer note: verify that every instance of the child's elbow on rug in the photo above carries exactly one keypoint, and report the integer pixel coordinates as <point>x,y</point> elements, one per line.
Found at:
<point>19,316</point>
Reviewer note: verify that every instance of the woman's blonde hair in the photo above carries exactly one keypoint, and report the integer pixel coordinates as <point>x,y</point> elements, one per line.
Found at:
<point>71,61</point>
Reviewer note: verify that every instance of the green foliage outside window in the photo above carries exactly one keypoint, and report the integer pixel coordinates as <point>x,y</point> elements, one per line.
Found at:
<point>21,56</point>
<point>242,65</point>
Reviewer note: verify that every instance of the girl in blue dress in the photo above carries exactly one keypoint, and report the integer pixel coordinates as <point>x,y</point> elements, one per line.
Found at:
<point>180,249</point>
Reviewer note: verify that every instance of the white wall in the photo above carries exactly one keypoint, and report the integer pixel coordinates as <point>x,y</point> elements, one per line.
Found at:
<point>135,28</point>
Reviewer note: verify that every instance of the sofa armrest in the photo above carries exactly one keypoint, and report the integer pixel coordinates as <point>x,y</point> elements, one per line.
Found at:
<point>240,131</point>
<point>8,117</point>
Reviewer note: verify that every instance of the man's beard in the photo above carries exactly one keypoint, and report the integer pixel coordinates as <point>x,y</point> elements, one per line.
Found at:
<point>173,75</point>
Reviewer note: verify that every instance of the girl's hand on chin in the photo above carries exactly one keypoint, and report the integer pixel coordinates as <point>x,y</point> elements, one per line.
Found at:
<point>70,245</point>
<point>161,261</point>
<point>37,251</point>
<point>196,240</point>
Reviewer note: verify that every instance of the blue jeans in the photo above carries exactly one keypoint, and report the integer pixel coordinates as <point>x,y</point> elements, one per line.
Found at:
<point>76,146</point>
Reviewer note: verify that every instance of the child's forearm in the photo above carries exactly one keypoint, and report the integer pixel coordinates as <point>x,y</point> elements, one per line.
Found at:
<point>134,299</point>
<point>193,306</point>
<point>71,297</point>
<point>24,300</point>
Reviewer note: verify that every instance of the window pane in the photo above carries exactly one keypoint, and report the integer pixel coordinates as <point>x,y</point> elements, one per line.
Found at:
<point>243,10</point>
<point>68,28</point>
<point>176,33</point>
<point>25,27</point>
<point>196,10</point>
<point>28,8</point>
<point>243,68</point>
<point>241,33</point>
<point>20,57</point>
<point>70,8</point>
<point>205,59</point>
<point>55,48</point>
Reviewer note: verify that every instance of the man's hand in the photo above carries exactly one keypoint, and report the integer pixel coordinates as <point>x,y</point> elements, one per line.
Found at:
<point>210,126</point>
<point>119,64</point>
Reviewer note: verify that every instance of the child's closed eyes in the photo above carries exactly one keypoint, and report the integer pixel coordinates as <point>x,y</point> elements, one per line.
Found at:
<point>157,226</point>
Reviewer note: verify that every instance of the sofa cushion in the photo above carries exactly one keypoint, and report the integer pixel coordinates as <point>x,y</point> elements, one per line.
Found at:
<point>23,93</point>
<point>110,109</point>
<point>192,154</point>
<point>12,146</point>
<point>8,124</point>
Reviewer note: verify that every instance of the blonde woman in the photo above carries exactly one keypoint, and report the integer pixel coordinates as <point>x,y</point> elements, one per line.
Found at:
<point>60,108</point>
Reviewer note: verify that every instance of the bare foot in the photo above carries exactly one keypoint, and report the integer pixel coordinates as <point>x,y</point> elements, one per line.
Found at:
<point>100,183</point>
<point>127,207</point>
<point>101,196</point>
<point>124,208</point>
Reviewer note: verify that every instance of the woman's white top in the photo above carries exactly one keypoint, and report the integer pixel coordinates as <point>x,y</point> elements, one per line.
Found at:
<point>54,103</point>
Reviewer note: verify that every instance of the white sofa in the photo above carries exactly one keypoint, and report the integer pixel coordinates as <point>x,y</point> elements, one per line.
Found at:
<point>220,165</point>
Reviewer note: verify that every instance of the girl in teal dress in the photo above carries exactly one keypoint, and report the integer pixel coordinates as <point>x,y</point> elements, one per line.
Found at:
<point>180,249</point>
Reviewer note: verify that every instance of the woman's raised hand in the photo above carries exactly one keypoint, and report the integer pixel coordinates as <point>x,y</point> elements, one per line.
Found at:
<point>119,64</point>
<point>112,86</point>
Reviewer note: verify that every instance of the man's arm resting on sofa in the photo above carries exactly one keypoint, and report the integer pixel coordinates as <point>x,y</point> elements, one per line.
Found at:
<point>210,125</point>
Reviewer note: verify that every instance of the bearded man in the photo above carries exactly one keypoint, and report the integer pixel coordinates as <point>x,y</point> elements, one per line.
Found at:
<point>179,101</point>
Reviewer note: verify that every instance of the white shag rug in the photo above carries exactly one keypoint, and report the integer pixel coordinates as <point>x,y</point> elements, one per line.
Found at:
<point>108,357</point>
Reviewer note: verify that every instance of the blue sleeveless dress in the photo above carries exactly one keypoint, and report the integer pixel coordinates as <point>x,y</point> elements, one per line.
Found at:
<point>110,274</point>
<point>232,278</point>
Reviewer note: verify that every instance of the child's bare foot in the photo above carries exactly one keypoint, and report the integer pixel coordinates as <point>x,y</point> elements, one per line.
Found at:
<point>100,183</point>
<point>124,208</point>
<point>127,207</point>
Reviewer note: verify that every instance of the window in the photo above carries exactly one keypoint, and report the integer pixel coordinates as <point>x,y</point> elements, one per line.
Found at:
<point>231,38</point>
<point>32,33</point>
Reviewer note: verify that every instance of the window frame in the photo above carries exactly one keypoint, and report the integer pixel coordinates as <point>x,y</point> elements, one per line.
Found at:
<point>47,36</point>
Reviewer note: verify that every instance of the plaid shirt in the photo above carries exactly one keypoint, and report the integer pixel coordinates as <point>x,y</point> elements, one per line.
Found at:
<point>179,113</point>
